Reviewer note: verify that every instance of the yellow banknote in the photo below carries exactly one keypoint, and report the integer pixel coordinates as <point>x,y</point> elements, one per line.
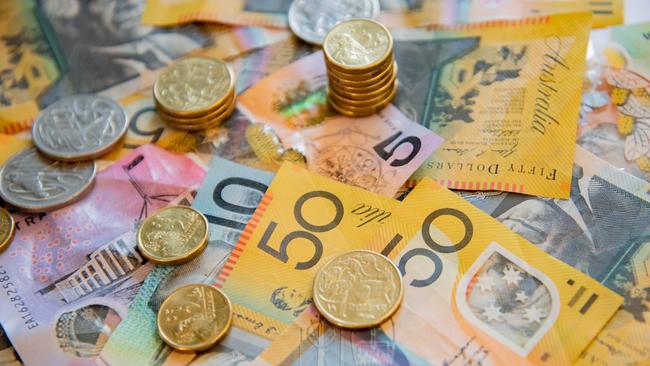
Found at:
<point>240,12</point>
<point>302,220</point>
<point>511,297</point>
<point>505,97</point>
<point>475,293</point>
<point>404,13</point>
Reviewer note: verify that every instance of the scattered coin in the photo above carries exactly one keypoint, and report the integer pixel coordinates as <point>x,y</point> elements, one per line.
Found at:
<point>358,289</point>
<point>361,72</point>
<point>194,317</point>
<point>173,235</point>
<point>311,20</point>
<point>7,227</point>
<point>80,127</point>
<point>33,182</point>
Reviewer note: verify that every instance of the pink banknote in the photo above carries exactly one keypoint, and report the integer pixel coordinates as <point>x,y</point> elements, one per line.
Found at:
<point>60,261</point>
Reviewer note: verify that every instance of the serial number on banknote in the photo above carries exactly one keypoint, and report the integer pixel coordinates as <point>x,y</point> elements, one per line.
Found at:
<point>16,300</point>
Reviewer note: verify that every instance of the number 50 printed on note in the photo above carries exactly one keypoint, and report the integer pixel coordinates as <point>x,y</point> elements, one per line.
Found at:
<point>501,291</point>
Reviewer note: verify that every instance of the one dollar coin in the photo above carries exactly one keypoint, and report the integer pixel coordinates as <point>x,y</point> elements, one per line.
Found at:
<point>358,289</point>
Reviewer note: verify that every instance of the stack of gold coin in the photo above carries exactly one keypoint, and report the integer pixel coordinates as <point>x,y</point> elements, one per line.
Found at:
<point>361,71</point>
<point>195,93</point>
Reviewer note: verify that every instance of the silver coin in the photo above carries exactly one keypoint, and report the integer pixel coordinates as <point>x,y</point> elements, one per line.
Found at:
<point>80,127</point>
<point>33,182</point>
<point>311,20</point>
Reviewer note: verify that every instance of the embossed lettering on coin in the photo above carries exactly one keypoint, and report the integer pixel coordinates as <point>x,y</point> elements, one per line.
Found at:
<point>358,289</point>
<point>358,43</point>
<point>6,229</point>
<point>194,317</point>
<point>312,19</point>
<point>193,85</point>
<point>32,182</point>
<point>80,127</point>
<point>173,235</point>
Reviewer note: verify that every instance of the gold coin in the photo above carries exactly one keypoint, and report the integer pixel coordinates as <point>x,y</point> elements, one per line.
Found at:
<point>360,86</point>
<point>358,45</point>
<point>204,125</point>
<point>354,112</point>
<point>173,235</point>
<point>211,115</point>
<point>193,86</point>
<point>218,108</point>
<point>358,289</point>
<point>7,227</point>
<point>369,93</point>
<point>359,75</point>
<point>373,102</point>
<point>194,317</point>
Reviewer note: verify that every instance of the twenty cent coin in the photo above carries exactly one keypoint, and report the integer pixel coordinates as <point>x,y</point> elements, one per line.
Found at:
<point>194,317</point>
<point>6,229</point>
<point>80,127</point>
<point>311,20</point>
<point>173,235</point>
<point>32,182</point>
<point>358,289</point>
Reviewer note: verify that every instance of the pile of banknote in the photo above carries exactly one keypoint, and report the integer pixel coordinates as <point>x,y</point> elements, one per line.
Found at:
<point>349,182</point>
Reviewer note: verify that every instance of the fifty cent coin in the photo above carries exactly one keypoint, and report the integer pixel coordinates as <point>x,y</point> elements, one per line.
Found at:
<point>194,317</point>
<point>80,127</point>
<point>173,235</point>
<point>358,289</point>
<point>311,20</point>
<point>6,229</point>
<point>32,182</point>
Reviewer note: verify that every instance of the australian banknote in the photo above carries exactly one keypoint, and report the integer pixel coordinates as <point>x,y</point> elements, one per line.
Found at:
<point>503,95</point>
<point>615,109</point>
<point>52,48</point>
<point>228,197</point>
<point>377,153</point>
<point>303,219</point>
<point>394,13</point>
<point>405,13</point>
<point>231,140</point>
<point>69,274</point>
<point>271,13</point>
<point>475,294</point>
<point>602,231</point>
